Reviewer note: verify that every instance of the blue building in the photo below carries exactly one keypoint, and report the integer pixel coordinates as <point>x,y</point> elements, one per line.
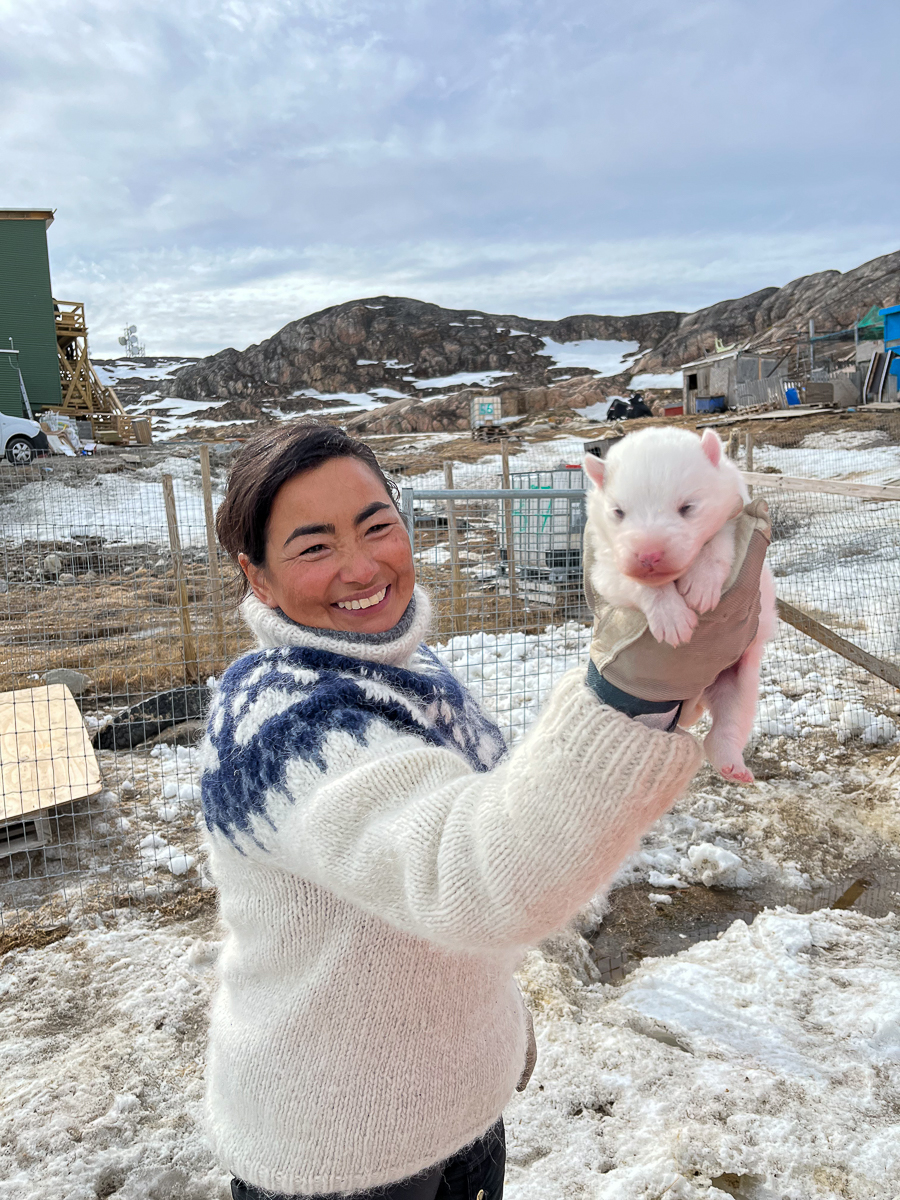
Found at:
<point>892,342</point>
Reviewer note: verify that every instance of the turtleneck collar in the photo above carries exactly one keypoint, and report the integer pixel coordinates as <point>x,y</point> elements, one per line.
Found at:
<point>395,647</point>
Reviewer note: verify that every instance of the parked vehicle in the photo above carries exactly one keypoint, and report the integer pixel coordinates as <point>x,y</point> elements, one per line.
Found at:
<point>21,440</point>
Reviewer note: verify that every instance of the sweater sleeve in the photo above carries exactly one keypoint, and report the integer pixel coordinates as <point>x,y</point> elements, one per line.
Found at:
<point>410,833</point>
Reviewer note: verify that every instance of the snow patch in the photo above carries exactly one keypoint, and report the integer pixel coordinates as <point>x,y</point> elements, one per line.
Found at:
<point>478,378</point>
<point>596,411</point>
<point>638,382</point>
<point>604,357</point>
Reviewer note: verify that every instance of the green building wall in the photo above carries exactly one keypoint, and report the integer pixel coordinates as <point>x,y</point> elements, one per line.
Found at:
<point>26,316</point>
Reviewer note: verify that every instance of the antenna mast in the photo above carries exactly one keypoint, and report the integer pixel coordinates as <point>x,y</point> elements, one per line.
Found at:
<point>134,347</point>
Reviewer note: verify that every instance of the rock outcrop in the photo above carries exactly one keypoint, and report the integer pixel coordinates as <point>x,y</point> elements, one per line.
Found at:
<point>452,413</point>
<point>392,343</point>
<point>447,414</point>
<point>832,299</point>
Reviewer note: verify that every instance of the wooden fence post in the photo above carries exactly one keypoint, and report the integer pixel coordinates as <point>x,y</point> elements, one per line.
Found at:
<point>215,575</point>
<point>191,659</point>
<point>508,524</point>
<point>455,575</point>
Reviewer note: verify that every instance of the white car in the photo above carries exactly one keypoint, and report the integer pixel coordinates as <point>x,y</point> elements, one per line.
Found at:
<point>20,440</point>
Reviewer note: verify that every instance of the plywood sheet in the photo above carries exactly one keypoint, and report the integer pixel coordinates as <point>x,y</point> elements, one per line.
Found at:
<point>46,757</point>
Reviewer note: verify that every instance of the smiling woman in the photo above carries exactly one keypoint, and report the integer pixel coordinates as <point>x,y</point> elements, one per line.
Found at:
<point>381,859</point>
<point>353,570</point>
<point>313,523</point>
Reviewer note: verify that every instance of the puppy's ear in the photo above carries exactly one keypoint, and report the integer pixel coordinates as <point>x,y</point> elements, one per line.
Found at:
<point>595,468</point>
<point>712,447</point>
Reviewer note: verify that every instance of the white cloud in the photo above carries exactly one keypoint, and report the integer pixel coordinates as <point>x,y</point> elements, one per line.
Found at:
<point>198,302</point>
<point>220,168</point>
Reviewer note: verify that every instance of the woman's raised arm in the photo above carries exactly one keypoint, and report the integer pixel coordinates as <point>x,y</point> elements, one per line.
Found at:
<point>470,860</point>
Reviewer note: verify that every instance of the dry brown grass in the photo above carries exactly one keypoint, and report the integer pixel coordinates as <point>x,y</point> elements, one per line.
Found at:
<point>27,934</point>
<point>124,633</point>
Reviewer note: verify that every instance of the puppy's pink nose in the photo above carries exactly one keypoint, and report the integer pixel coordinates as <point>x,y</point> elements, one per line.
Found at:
<point>650,559</point>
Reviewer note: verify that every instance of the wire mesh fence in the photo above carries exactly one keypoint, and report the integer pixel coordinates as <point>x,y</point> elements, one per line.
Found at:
<point>99,595</point>
<point>98,599</point>
<point>511,633</point>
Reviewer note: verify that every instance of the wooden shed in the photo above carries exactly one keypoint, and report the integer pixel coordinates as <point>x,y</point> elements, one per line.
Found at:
<point>733,379</point>
<point>26,313</point>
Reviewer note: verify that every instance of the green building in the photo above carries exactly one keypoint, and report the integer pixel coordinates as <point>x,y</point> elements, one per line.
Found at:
<point>26,313</point>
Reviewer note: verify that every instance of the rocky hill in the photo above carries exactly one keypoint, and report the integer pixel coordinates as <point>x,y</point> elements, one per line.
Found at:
<point>392,347</point>
<point>393,342</point>
<point>834,300</point>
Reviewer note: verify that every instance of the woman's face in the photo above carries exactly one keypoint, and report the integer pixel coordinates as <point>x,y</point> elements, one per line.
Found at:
<point>337,552</point>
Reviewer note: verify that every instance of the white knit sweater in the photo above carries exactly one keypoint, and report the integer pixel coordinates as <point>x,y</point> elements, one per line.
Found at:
<point>380,870</point>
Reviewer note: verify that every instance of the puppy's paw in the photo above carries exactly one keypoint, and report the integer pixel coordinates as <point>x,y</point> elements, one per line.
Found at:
<point>672,622</point>
<point>729,762</point>
<point>737,772</point>
<point>701,588</point>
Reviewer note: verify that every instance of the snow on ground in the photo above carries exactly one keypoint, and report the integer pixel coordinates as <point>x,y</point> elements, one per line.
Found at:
<point>122,369</point>
<point>765,1065</point>
<point>804,826</point>
<point>604,357</point>
<point>720,834</point>
<point>119,507</point>
<point>362,401</point>
<point>817,713</point>
<point>789,837</point>
<point>174,406</point>
<point>511,672</point>
<point>469,378</point>
<point>832,556</point>
<point>139,839</point>
<point>597,411</point>
<point>485,473</point>
<point>102,1067</point>
<point>861,456</point>
<point>173,415</point>
<point>637,382</point>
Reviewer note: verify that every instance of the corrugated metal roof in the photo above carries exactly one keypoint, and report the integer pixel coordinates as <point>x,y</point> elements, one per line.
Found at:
<point>703,362</point>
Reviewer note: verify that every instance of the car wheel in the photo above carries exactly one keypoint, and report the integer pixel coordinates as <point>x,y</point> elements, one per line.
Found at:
<point>19,451</point>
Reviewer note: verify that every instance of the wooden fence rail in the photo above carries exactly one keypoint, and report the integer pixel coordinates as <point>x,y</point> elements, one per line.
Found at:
<point>829,487</point>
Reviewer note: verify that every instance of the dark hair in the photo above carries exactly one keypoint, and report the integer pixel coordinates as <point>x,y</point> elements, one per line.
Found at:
<point>269,460</point>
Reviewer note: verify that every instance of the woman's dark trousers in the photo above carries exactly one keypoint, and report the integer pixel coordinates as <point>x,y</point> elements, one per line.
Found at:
<point>474,1173</point>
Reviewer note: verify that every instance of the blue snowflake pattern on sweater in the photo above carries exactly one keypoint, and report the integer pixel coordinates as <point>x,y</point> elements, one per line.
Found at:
<point>274,706</point>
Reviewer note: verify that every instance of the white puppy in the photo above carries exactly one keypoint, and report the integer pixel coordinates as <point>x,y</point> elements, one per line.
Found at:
<point>662,521</point>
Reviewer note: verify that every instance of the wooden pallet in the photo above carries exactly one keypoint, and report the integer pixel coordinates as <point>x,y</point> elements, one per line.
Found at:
<point>46,759</point>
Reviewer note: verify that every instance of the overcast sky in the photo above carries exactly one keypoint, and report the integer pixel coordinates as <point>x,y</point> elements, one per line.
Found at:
<point>220,168</point>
